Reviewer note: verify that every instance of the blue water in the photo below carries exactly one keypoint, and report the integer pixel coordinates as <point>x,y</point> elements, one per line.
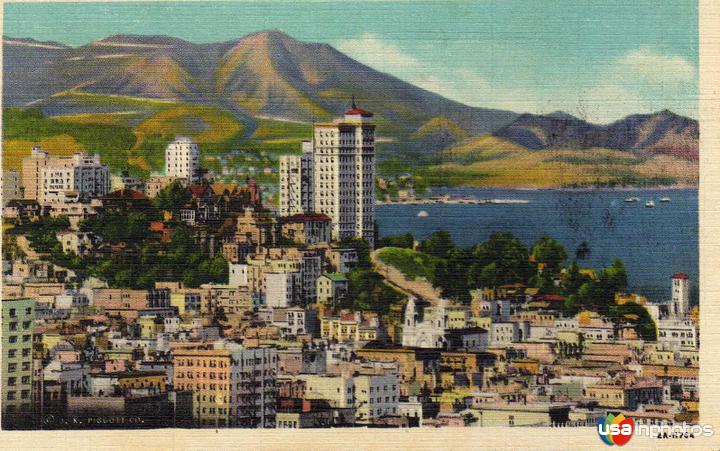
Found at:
<point>654,243</point>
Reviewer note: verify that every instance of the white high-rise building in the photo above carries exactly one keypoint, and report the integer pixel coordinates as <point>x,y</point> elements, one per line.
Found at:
<point>296,182</point>
<point>344,166</point>
<point>182,159</point>
<point>340,177</point>
<point>82,174</point>
<point>680,295</point>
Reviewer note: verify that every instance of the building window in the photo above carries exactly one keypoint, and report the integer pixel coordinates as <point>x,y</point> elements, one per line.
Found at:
<point>511,420</point>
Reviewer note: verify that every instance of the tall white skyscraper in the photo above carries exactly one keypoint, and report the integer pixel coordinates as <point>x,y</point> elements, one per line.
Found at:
<point>296,182</point>
<point>680,295</point>
<point>341,176</point>
<point>182,159</point>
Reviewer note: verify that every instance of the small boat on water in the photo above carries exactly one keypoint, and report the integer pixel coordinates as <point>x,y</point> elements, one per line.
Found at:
<point>423,214</point>
<point>650,204</point>
<point>632,199</point>
<point>664,199</point>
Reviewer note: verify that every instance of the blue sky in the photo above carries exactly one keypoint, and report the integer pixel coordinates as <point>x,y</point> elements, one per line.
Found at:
<point>598,60</point>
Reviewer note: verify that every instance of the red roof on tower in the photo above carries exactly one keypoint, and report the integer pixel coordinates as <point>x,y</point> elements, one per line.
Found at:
<point>356,111</point>
<point>680,275</point>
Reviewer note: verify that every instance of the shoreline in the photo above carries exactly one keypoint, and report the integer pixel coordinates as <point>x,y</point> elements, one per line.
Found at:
<point>599,188</point>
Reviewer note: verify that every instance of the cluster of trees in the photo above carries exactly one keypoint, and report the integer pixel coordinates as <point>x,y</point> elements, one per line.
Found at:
<point>144,259</point>
<point>147,259</point>
<point>503,259</point>
<point>368,290</point>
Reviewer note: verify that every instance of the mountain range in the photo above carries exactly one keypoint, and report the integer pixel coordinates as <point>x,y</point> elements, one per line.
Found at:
<point>269,75</point>
<point>266,73</point>
<point>662,132</point>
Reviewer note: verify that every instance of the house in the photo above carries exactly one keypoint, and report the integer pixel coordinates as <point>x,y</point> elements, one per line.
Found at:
<point>627,395</point>
<point>24,210</point>
<point>79,243</point>
<point>332,289</point>
<point>126,199</point>
<point>307,228</point>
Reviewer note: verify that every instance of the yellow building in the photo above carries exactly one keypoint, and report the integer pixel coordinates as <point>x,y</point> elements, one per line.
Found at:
<point>153,381</point>
<point>178,300</point>
<point>624,298</point>
<point>150,326</point>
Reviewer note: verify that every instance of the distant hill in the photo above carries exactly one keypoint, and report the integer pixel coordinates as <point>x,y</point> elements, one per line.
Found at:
<point>265,74</point>
<point>663,132</point>
<point>246,101</point>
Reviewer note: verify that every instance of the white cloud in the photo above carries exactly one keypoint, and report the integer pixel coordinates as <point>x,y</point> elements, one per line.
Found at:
<point>377,53</point>
<point>642,81</point>
<point>651,66</point>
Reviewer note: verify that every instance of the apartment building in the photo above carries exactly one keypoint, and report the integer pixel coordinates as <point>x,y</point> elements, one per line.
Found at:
<point>182,159</point>
<point>18,321</point>
<point>232,386</point>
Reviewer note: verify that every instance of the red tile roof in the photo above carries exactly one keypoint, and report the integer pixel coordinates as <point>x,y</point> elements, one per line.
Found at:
<point>356,111</point>
<point>127,194</point>
<point>198,190</point>
<point>307,217</point>
<point>680,275</point>
<point>550,297</point>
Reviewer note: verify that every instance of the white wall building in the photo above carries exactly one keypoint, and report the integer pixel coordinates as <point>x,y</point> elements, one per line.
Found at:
<point>238,275</point>
<point>283,288</point>
<point>338,390</point>
<point>340,180</point>
<point>376,396</point>
<point>677,334</point>
<point>84,175</point>
<point>503,334</point>
<point>680,295</point>
<point>344,161</point>
<point>424,331</point>
<point>182,159</point>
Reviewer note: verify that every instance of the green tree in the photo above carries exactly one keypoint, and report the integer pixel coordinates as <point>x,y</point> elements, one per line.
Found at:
<point>405,240</point>
<point>438,244</point>
<point>614,278</point>
<point>362,248</point>
<point>510,256</point>
<point>550,252</point>
<point>573,279</point>
<point>172,196</point>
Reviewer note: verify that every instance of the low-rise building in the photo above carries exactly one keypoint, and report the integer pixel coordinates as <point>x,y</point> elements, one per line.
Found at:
<point>332,289</point>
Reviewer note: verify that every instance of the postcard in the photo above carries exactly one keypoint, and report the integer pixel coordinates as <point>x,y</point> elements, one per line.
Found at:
<point>375,224</point>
